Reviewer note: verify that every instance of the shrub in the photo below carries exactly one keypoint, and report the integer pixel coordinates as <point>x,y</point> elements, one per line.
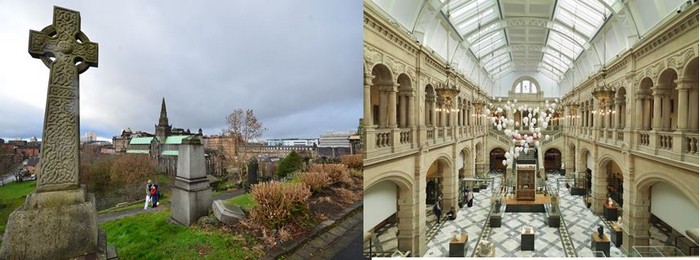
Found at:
<point>317,181</point>
<point>315,168</point>
<point>338,173</point>
<point>352,161</point>
<point>289,164</point>
<point>279,204</point>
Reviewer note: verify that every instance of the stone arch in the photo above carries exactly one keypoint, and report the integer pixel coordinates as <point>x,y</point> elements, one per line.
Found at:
<point>406,209</point>
<point>605,176</point>
<point>644,96</point>
<point>666,89</point>
<point>620,108</point>
<point>441,179</point>
<point>648,179</point>
<point>403,101</point>
<point>640,206</point>
<point>552,159</point>
<point>496,157</point>
<point>382,83</point>
<point>467,169</point>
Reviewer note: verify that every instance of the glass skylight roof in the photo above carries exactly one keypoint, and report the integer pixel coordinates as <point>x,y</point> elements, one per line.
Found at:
<point>578,18</point>
<point>575,22</point>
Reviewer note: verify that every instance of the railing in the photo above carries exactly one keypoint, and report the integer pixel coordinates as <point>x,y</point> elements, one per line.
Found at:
<point>691,144</point>
<point>499,136</point>
<point>383,139</point>
<point>655,251</point>
<point>665,141</point>
<point>620,135</point>
<point>431,133</point>
<point>405,137</point>
<point>644,138</point>
<point>441,132</point>
<point>609,134</point>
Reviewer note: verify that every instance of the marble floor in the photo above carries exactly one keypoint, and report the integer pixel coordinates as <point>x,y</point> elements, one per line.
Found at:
<point>572,239</point>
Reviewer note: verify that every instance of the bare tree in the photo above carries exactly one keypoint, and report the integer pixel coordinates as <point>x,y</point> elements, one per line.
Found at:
<point>242,128</point>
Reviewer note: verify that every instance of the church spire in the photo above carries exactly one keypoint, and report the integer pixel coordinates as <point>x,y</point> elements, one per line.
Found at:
<point>163,121</point>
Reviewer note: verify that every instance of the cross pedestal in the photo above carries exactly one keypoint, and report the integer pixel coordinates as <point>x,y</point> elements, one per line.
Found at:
<point>59,219</point>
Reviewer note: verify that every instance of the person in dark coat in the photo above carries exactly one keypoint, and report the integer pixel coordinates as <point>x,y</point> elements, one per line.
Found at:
<point>470,198</point>
<point>451,215</point>
<point>437,209</point>
<point>154,195</point>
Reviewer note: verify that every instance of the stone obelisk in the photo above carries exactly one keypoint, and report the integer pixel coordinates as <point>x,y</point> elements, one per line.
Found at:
<point>59,219</point>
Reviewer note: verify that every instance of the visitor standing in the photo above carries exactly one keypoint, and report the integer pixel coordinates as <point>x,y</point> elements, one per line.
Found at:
<point>154,195</point>
<point>470,198</point>
<point>437,209</point>
<point>149,185</point>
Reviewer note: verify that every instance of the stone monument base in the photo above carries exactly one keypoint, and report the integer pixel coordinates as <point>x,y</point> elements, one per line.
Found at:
<point>191,200</point>
<point>52,225</point>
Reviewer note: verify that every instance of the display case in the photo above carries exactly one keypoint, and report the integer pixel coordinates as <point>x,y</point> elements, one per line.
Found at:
<point>525,185</point>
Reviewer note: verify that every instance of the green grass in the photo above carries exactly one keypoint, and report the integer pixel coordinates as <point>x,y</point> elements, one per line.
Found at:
<point>149,236</point>
<point>11,197</point>
<point>120,209</point>
<point>244,201</point>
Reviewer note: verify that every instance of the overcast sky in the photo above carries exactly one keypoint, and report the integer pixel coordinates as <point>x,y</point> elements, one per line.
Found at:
<point>297,64</point>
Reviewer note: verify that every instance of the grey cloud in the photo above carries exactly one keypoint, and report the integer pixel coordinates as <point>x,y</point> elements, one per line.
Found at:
<point>296,63</point>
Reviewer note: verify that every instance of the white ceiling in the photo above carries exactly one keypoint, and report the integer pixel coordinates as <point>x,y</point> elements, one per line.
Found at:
<point>558,39</point>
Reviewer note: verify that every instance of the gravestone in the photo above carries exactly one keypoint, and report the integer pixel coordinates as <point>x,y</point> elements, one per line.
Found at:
<point>191,193</point>
<point>58,220</point>
<point>252,173</point>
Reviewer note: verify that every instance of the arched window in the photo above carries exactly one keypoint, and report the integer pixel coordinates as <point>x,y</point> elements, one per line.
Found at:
<point>526,86</point>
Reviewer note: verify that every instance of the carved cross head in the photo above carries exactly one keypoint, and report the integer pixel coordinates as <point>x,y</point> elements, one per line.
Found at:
<point>63,41</point>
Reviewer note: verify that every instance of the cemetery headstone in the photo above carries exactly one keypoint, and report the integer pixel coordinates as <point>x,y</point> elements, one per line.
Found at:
<point>252,173</point>
<point>58,220</point>
<point>191,193</point>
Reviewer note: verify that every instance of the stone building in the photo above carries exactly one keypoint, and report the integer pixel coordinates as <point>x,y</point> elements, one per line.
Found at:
<point>624,76</point>
<point>163,145</point>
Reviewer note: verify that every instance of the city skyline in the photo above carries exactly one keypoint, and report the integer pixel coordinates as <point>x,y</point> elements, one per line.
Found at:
<point>205,59</point>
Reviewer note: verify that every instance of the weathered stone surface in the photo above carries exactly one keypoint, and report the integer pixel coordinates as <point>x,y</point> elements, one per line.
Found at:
<point>59,219</point>
<point>37,231</point>
<point>227,212</point>
<point>192,193</point>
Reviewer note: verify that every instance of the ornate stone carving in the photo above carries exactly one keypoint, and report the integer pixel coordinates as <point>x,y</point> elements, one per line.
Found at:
<point>654,70</point>
<point>396,66</point>
<point>57,47</point>
<point>372,56</point>
<point>679,59</point>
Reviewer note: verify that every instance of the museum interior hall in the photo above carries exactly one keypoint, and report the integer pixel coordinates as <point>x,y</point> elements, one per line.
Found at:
<point>521,128</point>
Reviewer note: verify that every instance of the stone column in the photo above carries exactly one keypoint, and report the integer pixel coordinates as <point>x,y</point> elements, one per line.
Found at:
<point>647,112</point>
<point>403,113</point>
<point>411,114</point>
<point>639,109</point>
<point>683,87</point>
<point>598,184</point>
<point>367,100</point>
<point>383,102</point>
<point>392,104</point>
<point>191,192</point>
<point>693,107</point>
<point>656,121</point>
<point>618,112</point>
<point>666,111</point>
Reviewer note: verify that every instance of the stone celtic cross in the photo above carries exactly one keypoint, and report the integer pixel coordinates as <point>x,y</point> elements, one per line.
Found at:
<point>67,52</point>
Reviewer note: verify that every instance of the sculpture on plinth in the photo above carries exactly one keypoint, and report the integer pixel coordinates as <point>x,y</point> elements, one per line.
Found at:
<point>600,231</point>
<point>485,249</point>
<point>59,219</point>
